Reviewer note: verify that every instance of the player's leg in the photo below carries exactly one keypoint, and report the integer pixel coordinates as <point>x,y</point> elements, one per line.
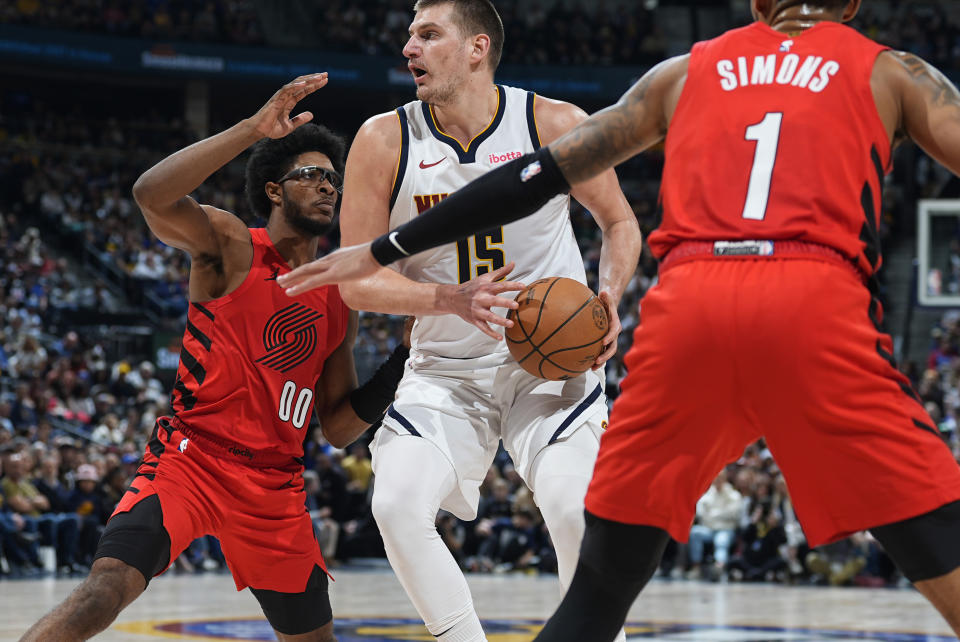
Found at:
<point>412,478</point>
<point>135,546</point>
<point>674,426</point>
<point>854,442</point>
<point>300,617</point>
<point>616,562</point>
<point>156,519</point>
<point>559,478</point>
<point>925,549</point>
<point>269,543</point>
<point>437,442</point>
<point>944,593</point>
<point>551,430</point>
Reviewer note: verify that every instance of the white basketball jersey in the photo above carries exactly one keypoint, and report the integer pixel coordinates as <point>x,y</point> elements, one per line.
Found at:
<point>433,165</point>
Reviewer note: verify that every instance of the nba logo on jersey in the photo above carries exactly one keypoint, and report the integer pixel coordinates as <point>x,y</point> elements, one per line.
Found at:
<point>183,445</point>
<point>530,171</point>
<point>786,45</point>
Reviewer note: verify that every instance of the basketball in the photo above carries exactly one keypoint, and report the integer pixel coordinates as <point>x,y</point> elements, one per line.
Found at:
<point>558,329</point>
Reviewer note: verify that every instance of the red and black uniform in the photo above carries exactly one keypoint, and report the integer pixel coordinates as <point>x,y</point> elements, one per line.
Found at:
<point>764,322</point>
<point>227,462</point>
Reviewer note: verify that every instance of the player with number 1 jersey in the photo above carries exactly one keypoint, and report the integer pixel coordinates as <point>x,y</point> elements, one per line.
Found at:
<point>778,245</point>
<point>776,182</point>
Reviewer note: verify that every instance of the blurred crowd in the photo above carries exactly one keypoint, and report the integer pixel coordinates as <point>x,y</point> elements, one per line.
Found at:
<point>746,530</point>
<point>925,29</point>
<point>623,33</point>
<point>223,21</point>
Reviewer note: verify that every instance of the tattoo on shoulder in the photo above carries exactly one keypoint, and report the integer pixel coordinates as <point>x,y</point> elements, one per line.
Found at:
<point>943,92</point>
<point>596,143</point>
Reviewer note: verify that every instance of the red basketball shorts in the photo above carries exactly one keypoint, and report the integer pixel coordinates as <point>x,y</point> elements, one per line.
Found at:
<point>257,513</point>
<point>729,350</point>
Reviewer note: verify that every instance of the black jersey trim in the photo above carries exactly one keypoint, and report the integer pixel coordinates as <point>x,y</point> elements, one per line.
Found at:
<point>579,410</point>
<point>198,334</point>
<point>207,313</point>
<point>403,157</point>
<point>532,121</point>
<point>193,366</point>
<point>403,421</point>
<point>466,154</point>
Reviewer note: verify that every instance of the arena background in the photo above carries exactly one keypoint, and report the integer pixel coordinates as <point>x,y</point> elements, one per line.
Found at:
<point>92,92</point>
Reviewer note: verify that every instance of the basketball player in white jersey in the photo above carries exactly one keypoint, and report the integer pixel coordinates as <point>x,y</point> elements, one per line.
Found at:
<point>462,392</point>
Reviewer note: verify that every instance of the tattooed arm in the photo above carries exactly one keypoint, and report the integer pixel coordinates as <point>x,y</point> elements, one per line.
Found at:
<point>926,106</point>
<point>519,188</point>
<point>636,122</point>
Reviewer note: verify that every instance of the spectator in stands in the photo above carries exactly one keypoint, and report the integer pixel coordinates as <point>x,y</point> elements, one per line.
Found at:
<point>760,559</point>
<point>718,513</point>
<point>18,539</point>
<point>48,482</point>
<point>87,501</point>
<point>333,487</point>
<point>325,527</point>
<point>57,529</point>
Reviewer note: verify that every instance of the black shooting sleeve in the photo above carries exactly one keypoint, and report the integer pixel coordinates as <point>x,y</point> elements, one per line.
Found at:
<point>502,196</point>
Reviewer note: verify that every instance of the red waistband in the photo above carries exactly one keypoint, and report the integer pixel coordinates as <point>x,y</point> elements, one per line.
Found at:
<point>228,450</point>
<point>692,250</point>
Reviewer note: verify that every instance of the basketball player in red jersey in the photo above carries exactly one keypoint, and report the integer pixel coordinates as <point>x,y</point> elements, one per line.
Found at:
<point>765,321</point>
<point>254,366</point>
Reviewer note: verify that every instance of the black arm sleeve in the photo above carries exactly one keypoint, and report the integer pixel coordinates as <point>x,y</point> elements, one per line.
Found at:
<point>370,400</point>
<point>502,196</point>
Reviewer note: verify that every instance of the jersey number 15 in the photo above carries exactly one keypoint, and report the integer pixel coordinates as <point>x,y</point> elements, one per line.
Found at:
<point>485,257</point>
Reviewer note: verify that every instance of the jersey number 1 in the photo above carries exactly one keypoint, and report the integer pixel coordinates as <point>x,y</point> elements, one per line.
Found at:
<point>766,133</point>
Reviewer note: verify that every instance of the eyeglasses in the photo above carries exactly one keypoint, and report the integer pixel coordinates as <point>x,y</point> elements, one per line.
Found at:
<point>313,176</point>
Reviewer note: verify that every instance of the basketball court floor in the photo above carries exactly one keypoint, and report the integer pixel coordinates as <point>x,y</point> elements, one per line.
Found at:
<point>370,606</point>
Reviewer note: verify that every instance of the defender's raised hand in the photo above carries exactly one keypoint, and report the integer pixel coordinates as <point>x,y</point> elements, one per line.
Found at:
<point>273,120</point>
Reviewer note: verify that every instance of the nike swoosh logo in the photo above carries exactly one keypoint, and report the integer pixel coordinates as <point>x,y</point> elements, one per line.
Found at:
<point>428,166</point>
<point>273,277</point>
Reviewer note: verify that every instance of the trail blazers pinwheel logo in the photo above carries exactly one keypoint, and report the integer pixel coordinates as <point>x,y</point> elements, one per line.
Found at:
<point>290,337</point>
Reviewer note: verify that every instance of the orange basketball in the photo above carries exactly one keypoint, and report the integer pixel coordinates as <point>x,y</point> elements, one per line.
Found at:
<point>558,329</point>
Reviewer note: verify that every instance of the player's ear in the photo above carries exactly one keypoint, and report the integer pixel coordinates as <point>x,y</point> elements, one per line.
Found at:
<point>762,10</point>
<point>273,191</point>
<point>853,7</point>
<point>480,48</point>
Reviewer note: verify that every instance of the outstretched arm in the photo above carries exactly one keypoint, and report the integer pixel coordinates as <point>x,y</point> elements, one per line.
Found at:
<point>638,121</point>
<point>929,106</point>
<point>162,191</point>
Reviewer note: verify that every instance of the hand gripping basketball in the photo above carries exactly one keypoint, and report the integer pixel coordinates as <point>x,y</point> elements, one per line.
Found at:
<point>558,329</point>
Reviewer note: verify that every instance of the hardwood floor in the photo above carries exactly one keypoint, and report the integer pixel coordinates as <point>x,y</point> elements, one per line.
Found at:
<point>371,606</point>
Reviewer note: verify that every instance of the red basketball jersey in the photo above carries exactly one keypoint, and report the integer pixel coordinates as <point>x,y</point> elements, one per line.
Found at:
<point>250,359</point>
<point>777,137</point>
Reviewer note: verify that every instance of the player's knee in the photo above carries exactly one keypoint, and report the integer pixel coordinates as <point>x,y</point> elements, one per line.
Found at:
<point>627,554</point>
<point>924,547</point>
<point>305,615</point>
<point>110,586</point>
<point>564,518</point>
<point>398,513</point>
